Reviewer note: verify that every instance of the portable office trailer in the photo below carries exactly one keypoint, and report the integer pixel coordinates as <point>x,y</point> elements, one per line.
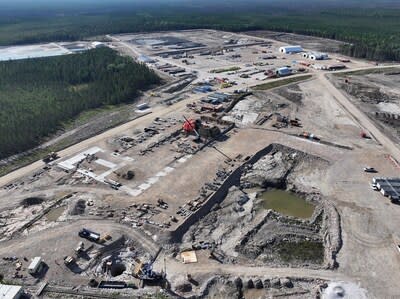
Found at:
<point>35,265</point>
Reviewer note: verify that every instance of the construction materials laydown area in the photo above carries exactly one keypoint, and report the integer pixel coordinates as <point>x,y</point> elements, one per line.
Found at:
<point>232,182</point>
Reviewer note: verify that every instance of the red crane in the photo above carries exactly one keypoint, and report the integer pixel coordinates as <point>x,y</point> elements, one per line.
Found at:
<point>189,126</point>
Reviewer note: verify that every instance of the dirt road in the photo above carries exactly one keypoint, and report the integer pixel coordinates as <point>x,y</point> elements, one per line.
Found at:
<point>174,266</point>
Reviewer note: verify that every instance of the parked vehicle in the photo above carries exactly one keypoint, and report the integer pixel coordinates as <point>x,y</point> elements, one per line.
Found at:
<point>369,169</point>
<point>87,234</point>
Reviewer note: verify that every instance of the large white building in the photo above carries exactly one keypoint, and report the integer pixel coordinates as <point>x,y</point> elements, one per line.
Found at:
<point>389,187</point>
<point>98,45</point>
<point>10,291</point>
<point>291,49</point>
<point>35,266</point>
<point>316,56</point>
<point>319,56</point>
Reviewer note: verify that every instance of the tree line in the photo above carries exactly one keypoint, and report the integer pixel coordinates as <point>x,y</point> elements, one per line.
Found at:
<point>37,95</point>
<point>370,33</point>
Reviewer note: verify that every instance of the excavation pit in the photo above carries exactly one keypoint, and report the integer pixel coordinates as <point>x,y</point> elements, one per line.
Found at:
<point>78,208</point>
<point>117,269</point>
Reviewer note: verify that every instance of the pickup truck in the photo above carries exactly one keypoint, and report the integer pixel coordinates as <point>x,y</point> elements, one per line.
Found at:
<point>369,169</point>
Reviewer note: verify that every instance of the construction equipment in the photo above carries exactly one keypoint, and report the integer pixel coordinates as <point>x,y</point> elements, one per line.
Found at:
<point>144,271</point>
<point>190,126</point>
<point>69,260</point>
<point>310,136</point>
<point>79,248</point>
<point>295,123</point>
<point>162,204</point>
<point>364,134</point>
<point>50,157</point>
<point>104,239</point>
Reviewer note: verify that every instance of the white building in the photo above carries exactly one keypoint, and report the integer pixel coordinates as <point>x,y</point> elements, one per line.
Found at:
<point>98,45</point>
<point>35,265</point>
<point>389,187</point>
<point>318,56</point>
<point>10,291</point>
<point>315,56</point>
<point>291,49</point>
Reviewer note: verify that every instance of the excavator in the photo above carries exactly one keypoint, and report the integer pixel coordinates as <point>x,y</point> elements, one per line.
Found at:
<point>144,272</point>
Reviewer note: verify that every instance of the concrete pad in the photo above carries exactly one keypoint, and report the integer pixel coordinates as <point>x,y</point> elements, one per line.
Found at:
<point>105,163</point>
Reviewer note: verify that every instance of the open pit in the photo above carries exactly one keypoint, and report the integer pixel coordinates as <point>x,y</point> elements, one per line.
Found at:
<point>117,269</point>
<point>241,229</point>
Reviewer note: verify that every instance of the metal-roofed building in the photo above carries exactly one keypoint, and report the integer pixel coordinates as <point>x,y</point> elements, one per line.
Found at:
<point>98,45</point>
<point>35,265</point>
<point>318,56</point>
<point>291,49</point>
<point>284,71</point>
<point>389,187</point>
<point>10,291</point>
<point>146,59</point>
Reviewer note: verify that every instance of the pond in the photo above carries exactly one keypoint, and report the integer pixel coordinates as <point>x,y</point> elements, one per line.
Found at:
<point>286,203</point>
<point>31,51</point>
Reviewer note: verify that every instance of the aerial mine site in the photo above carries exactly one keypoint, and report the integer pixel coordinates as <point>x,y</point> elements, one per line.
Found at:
<point>264,165</point>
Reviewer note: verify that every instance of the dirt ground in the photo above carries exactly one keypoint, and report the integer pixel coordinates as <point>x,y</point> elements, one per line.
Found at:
<point>317,153</point>
<point>377,95</point>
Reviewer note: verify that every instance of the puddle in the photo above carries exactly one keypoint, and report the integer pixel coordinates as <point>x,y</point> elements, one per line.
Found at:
<point>54,214</point>
<point>287,203</point>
